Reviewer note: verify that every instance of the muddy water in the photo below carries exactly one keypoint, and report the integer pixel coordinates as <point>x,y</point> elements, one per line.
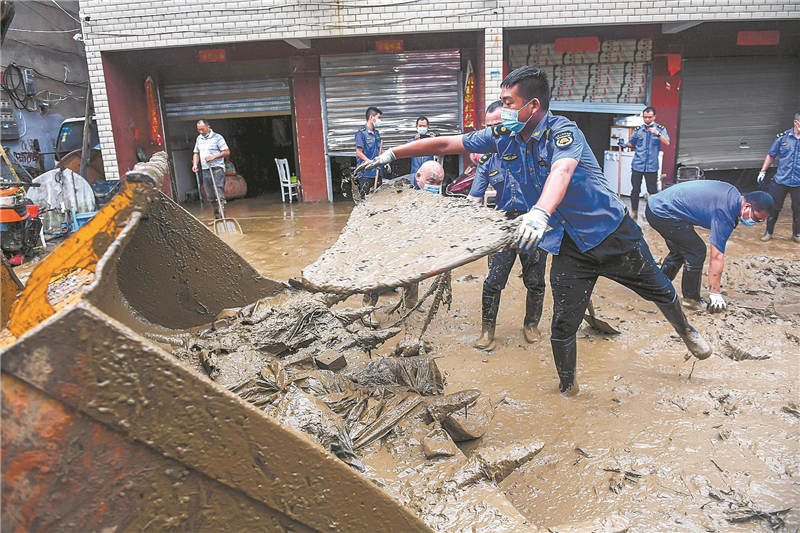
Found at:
<point>668,444</point>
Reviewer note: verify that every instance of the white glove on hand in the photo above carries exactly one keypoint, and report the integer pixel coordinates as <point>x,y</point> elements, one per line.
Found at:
<point>761,176</point>
<point>383,159</point>
<point>716,303</point>
<point>531,229</point>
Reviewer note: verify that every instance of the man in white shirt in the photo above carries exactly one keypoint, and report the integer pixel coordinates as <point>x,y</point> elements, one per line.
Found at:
<point>210,151</point>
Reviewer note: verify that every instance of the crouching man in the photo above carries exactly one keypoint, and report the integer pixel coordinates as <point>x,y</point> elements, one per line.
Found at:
<point>713,205</point>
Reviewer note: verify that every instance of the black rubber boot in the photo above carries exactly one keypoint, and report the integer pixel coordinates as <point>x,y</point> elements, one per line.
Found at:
<point>691,282</point>
<point>696,344</point>
<point>533,312</point>
<point>490,304</point>
<point>565,355</point>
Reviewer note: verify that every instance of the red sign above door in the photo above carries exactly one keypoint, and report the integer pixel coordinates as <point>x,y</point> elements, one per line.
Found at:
<point>215,55</point>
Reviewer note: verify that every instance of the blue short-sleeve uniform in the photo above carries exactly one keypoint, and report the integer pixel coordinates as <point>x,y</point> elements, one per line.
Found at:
<point>589,212</point>
<point>646,146</point>
<point>490,171</point>
<point>786,148</point>
<point>370,144</point>
<point>713,205</point>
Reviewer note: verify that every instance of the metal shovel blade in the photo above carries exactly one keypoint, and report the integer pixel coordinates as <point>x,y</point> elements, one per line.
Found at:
<point>227,225</point>
<point>600,325</point>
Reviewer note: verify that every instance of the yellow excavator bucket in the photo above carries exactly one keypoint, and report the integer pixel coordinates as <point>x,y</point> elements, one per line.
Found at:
<point>103,430</point>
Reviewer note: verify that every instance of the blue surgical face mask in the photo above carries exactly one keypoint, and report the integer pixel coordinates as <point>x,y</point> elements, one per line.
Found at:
<point>747,221</point>
<point>510,118</point>
<point>378,123</point>
<point>436,189</point>
<point>422,130</point>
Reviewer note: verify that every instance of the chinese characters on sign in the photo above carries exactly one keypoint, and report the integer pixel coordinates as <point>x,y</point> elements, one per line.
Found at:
<point>215,55</point>
<point>389,46</point>
<point>468,113</point>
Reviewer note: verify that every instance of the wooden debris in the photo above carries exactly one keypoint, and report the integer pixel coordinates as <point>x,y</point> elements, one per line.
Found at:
<point>331,361</point>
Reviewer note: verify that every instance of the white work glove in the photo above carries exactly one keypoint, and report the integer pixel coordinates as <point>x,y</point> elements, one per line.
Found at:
<point>532,226</point>
<point>383,159</point>
<point>716,303</point>
<point>761,176</point>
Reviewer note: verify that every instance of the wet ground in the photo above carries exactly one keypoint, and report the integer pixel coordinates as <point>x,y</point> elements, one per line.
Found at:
<point>669,444</point>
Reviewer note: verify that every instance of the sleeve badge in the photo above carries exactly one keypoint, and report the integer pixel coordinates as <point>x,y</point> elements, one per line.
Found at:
<point>564,139</point>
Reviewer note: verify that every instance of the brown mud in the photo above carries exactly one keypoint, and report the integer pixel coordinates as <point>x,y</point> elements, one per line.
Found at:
<point>662,441</point>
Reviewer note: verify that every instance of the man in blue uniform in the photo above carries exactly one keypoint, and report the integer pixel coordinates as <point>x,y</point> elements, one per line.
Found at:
<point>787,179</point>
<point>490,170</point>
<point>368,146</point>
<point>423,132</point>
<point>575,215</point>
<point>712,205</point>
<point>647,140</point>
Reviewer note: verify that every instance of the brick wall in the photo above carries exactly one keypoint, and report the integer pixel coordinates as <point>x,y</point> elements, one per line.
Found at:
<point>132,24</point>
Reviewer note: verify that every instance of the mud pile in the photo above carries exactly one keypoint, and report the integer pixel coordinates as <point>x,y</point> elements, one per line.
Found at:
<point>400,235</point>
<point>385,416</point>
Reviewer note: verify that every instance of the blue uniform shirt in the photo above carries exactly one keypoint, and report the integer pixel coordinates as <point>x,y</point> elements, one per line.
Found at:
<point>787,149</point>
<point>647,146</point>
<point>370,144</point>
<point>416,162</point>
<point>713,205</point>
<point>491,172</point>
<point>589,212</point>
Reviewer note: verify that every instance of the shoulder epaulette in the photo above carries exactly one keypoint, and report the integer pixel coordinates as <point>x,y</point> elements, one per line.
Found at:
<point>500,130</point>
<point>363,128</point>
<point>660,127</point>
<point>484,158</point>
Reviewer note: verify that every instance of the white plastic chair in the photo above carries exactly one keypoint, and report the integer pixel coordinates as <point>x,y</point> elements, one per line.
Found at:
<point>289,184</point>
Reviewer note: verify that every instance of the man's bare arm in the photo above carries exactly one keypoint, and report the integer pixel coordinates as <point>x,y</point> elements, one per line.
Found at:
<point>442,145</point>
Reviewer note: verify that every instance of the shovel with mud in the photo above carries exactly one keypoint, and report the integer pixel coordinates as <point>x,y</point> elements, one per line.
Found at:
<point>598,324</point>
<point>221,224</point>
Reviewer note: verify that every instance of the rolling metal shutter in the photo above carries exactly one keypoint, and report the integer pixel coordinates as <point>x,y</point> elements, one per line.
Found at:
<point>732,107</point>
<point>404,86</point>
<point>226,99</point>
<point>614,79</point>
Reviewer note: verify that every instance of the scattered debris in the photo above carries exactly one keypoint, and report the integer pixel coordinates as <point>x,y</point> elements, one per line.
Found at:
<point>439,407</point>
<point>438,443</point>
<point>619,477</point>
<point>791,408</point>
<point>471,421</point>
<point>331,361</point>
<point>419,374</point>
<point>495,463</point>
<point>738,354</point>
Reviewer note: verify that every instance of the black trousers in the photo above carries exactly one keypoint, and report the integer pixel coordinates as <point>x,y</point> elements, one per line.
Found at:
<point>778,193</point>
<point>651,182</point>
<point>686,249</point>
<point>623,257</point>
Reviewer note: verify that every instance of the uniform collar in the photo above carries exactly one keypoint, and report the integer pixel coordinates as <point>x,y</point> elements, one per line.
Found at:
<point>541,128</point>
<point>366,128</point>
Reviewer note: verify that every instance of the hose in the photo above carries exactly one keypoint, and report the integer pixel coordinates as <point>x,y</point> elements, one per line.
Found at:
<point>14,86</point>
